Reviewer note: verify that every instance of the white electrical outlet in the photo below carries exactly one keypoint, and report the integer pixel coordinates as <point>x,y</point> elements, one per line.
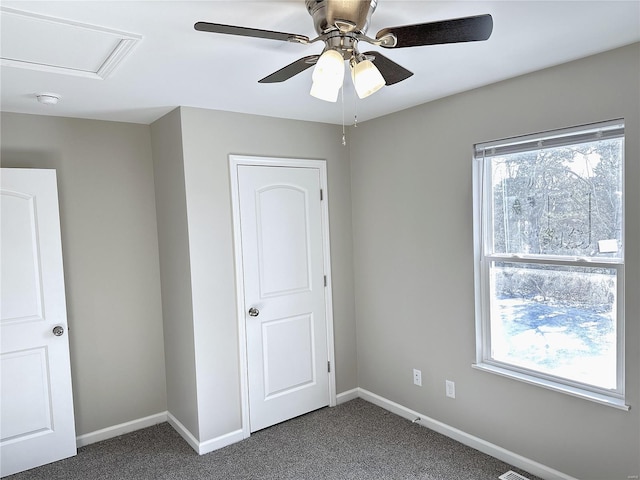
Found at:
<point>450,389</point>
<point>417,377</point>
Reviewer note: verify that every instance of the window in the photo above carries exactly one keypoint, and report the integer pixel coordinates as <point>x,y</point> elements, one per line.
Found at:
<point>549,251</point>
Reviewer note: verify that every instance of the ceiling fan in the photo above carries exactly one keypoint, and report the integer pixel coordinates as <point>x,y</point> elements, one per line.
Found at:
<point>341,25</point>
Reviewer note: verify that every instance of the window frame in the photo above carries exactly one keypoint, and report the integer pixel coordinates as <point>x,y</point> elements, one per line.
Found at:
<point>484,256</point>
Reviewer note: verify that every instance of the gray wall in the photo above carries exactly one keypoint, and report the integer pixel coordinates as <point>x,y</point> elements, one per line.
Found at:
<point>413,264</point>
<point>208,137</point>
<point>110,252</point>
<point>173,242</point>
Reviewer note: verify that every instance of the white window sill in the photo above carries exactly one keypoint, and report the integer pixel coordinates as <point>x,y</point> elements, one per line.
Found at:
<point>608,400</point>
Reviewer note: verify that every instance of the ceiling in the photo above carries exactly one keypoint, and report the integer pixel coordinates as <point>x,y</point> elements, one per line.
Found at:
<point>134,61</point>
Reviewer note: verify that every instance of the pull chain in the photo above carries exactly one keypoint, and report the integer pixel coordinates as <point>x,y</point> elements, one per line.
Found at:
<point>344,137</point>
<point>355,109</point>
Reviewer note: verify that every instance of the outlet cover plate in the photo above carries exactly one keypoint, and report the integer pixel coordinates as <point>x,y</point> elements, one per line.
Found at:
<point>450,389</point>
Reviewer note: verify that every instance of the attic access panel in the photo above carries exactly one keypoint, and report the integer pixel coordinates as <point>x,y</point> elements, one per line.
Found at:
<point>38,42</point>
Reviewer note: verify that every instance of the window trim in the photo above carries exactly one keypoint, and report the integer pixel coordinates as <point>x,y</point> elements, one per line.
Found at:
<point>482,261</point>
<point>557,386</point>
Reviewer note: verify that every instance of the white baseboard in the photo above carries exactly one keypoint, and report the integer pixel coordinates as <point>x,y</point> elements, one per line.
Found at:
<point>500,453</point>
<point>184,432</point>
<point>208,446</point>
<point>121,429</point>
<point>346,396</point>
<point>221,441</point>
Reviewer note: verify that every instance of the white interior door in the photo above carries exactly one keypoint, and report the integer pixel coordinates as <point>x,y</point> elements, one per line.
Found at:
<point>283,270</point>
<point>37,422</point>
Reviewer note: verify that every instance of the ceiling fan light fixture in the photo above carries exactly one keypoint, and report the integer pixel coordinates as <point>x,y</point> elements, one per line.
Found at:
<point>366,78</point>
<point>328,76</point>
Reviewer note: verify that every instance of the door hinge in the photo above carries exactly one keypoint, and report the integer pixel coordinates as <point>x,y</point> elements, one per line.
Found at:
<point>325,280</point>
<point>321,195</point>
<point>328,367</point>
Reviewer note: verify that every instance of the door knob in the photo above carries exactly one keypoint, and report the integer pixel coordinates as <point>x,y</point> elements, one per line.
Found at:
<point>58,330</point>
<point>254,312</point>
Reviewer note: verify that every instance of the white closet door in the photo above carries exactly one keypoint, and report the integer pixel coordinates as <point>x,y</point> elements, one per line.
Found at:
<point>37,421</point>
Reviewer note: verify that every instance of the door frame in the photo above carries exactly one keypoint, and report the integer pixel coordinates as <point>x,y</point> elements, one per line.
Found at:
<point>234,162</point>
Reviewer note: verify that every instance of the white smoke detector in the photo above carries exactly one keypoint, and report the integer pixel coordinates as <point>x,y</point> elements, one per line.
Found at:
<point>48,98</point>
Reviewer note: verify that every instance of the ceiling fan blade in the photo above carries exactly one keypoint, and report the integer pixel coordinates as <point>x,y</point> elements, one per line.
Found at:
<point>390,70</point>
<point>285,73</point>
<point>466,29</point>
<point>249,32</point>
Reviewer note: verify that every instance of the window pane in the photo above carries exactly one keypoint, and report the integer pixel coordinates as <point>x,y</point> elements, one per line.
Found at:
<point>556,320</point>
<point>559,201</point>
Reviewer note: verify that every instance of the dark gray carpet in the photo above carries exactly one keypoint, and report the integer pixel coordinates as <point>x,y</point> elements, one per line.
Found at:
<point>356,440</point>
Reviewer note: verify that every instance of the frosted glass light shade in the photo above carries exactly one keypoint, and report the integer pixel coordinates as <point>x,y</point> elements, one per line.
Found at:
<point>327,92</point>
<point>328,76</point>
<point>366,78</point>
<point>329,68</point>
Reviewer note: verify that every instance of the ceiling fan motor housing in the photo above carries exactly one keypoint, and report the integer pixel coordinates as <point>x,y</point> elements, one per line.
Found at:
<point>345,16</point>
<point>343,44</point>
